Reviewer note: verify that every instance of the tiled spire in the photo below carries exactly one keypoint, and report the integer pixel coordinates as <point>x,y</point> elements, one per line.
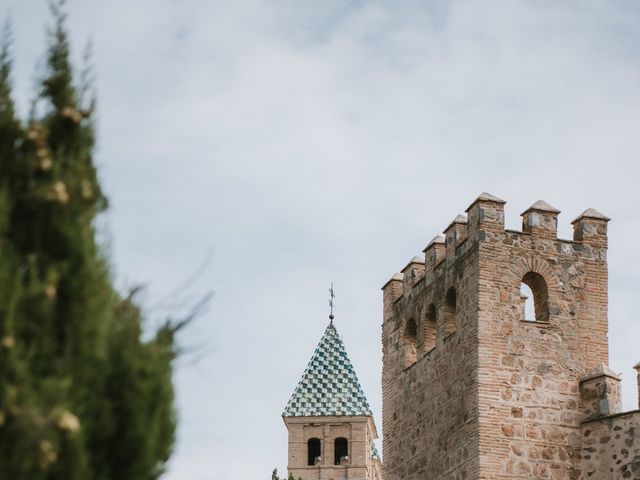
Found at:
<point>329,385</point>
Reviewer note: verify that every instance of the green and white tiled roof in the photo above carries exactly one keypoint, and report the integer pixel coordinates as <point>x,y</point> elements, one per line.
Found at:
<point>329,385</point>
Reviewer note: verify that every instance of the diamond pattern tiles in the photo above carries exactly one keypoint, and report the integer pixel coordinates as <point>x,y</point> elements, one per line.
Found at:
<point>329,385</point>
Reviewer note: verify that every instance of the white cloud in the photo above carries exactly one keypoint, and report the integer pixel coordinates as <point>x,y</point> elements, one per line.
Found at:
<point>310,142</point>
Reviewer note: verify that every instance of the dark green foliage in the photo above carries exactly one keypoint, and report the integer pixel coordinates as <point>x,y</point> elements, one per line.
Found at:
<point>274,476</point>
<point>82,396</point>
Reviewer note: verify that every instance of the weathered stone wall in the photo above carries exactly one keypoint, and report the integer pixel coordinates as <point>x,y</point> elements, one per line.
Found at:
<point>498,398</point>
<point>530,410</point>
<point>611,447</point>
<point>610,439</point>
<point>430,425</point>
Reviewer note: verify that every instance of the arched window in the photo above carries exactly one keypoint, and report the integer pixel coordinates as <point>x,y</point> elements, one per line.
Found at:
<point>450,312</point>
<point>314,456</point>
<point>534,287</point>
<point>429,329</point>
<point>409,340</point>
<point>341,451</point>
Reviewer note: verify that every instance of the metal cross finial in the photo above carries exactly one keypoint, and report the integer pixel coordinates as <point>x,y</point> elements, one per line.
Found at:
<point>331,297</point>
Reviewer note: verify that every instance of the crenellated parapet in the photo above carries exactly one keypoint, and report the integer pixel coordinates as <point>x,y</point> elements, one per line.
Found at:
<point>600,393</point>
<point>485,217</point>
<point>392,291</point>
<point>484,223</point>
<point>493,343</point>
<point>591,227</point>
<point>413,272</point>
<point>455,234</point>
<point>434,253</point>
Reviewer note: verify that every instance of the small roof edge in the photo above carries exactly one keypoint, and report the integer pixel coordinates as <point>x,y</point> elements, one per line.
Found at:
<point>437,240</point>
<point>417,259</point>
<point>486,197</point>
<point>459,220</point>
<point>541,206</point>
<point>591,213</point>
<point>396,277</point>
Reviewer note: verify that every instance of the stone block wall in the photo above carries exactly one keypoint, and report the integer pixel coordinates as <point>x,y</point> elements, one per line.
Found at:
<point>530,412</point>
<point>431,399</point>
<point>498,397</point>
<point>610,438</point>
<point>611,447</point>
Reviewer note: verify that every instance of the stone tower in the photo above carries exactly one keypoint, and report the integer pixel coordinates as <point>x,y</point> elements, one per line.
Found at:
<point>331,428</point>
<point>473,388</point>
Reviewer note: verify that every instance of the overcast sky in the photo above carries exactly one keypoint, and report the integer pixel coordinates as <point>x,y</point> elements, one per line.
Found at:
<point>287,144</point>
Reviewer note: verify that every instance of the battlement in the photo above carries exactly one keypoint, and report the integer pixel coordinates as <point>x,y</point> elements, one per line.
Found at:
<point>477,385</point>
<point>484,223</point>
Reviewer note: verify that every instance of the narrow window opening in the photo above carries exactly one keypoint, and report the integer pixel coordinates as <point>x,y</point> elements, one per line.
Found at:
<point>410,334</point>
<point>341,451</point>
<point>313,451</point>
<point>450,312</point>
<point>534,287</point>
<point>429,331</point>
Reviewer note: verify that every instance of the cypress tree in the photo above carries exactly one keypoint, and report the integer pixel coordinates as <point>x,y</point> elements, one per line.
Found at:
<point>82,395</point>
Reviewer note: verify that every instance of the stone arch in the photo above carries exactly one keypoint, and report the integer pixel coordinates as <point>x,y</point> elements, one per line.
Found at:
<point>449,320</point>
<point>429,329</point>
<point>538,286</point>
<point>542,281</point>
<point>409,341</point>
<point>539,266</point>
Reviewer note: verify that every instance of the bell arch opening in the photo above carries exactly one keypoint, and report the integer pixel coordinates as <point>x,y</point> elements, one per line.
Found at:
<point>341,451</point>
<point>314,453</point>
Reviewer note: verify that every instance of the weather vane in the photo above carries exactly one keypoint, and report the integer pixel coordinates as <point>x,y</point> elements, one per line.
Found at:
<point>331,297</point>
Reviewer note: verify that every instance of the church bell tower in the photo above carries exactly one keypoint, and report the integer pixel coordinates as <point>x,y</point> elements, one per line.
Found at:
<point>330,424</point>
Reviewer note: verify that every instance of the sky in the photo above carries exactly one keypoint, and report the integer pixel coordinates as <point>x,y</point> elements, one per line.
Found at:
<point>262,149</point>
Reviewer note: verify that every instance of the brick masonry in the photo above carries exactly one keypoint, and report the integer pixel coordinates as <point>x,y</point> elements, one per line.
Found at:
<point>472,389</point>
<point>359,432</point>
